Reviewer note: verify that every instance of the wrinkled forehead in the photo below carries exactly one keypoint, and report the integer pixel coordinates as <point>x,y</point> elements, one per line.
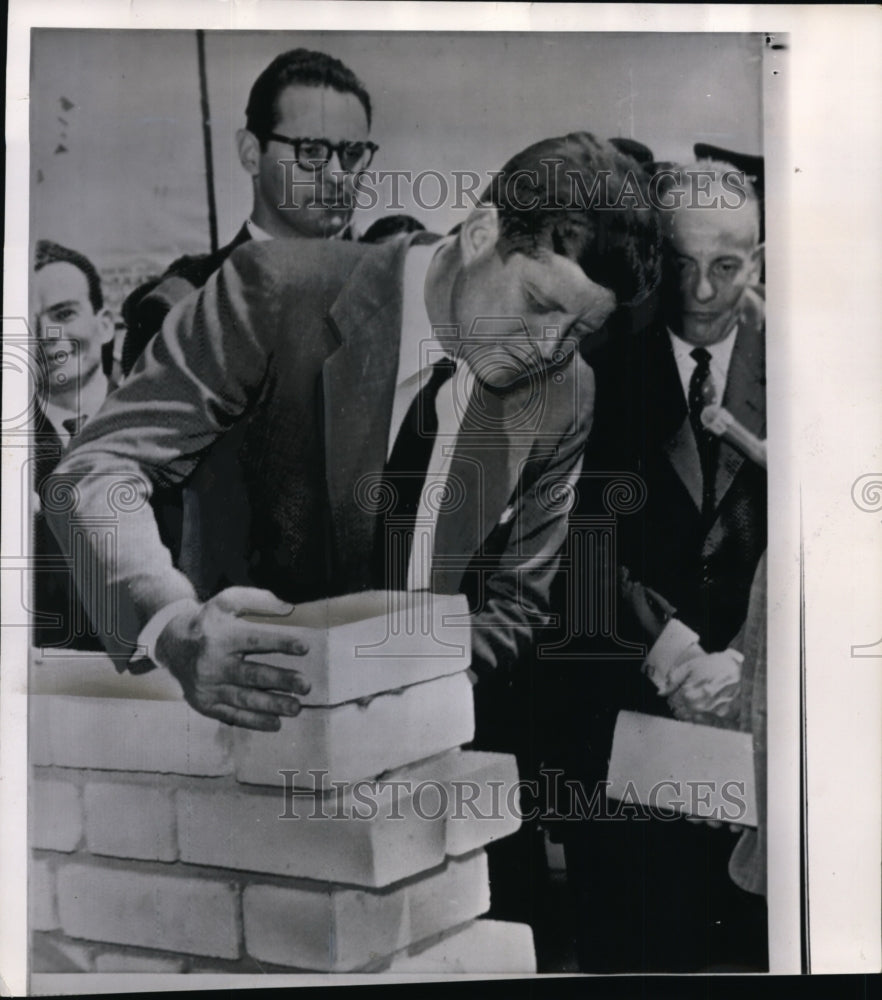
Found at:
<point>59,282</point>
<point>697,227</point>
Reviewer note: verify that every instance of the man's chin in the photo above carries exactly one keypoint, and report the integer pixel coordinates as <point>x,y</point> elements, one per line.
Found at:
<point>702,331</point>
<point>332,223</point>
<point>319,224</point>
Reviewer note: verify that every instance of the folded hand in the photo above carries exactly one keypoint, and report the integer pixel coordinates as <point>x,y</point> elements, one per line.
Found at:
<point>707,688</point>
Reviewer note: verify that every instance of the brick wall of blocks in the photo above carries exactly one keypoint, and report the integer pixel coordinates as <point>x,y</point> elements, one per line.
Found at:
<point>163,841</point>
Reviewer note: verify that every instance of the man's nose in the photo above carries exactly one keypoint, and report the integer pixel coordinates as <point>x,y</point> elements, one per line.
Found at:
<point>334,171</point>
<point>703,290</point>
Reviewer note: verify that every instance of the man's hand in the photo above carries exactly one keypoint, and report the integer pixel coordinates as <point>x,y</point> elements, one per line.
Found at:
<point>707,688</point>
<point>206,650</point>
<point>650,609</point>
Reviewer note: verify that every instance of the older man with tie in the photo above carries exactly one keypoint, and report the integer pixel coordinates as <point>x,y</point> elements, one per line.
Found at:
<point>693,546</point>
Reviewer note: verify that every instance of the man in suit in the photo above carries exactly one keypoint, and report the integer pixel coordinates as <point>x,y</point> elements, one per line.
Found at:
<point>301,189</point>
<point>441,375</point>
<point>322,359</point>
<point>652,895</point>
<point>73,326</point>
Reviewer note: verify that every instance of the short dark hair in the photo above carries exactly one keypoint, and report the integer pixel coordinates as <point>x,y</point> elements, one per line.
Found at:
<point>299,67</point>
<point>617,243</point>
<point>48,252</point>
<point>389,226</point>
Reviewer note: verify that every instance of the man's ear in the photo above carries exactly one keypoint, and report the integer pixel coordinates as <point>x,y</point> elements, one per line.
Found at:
<point>106,325</point>
<point>249,150</point>
<point>479,233</point>
<point>757,259</point>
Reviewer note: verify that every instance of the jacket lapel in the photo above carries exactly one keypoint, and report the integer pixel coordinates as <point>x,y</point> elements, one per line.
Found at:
<point>745,391</point>
<point>682,453</point>
<point>678,441</point>
<point>47,444</point>
<point>484,471</point>
<point>359,386</point>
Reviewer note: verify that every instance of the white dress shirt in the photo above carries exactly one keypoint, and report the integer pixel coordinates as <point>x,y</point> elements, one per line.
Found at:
<point>720,356</point>
<point>88,398</point>
<point>255,232</point>
<point>418,351</point>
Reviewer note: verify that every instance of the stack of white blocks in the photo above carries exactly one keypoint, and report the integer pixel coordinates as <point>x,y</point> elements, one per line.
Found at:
<point>351,840</point>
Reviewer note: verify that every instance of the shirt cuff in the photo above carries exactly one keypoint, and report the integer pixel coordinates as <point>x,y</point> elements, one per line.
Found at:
<point>676,644</point>
<point>151,632</point>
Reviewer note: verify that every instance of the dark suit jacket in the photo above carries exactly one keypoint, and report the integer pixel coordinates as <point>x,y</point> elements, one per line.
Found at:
<point>59,619</point>
<point>145,309</point>
<point>300,351</point>
<point>703,566</point>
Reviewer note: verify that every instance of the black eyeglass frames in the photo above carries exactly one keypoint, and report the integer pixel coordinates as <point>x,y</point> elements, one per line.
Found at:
<point>315,154</point>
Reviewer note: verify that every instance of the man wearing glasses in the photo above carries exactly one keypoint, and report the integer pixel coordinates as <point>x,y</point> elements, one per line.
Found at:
<point>305,140</point>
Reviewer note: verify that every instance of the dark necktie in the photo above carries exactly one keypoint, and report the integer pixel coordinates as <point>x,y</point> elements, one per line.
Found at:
<point>405,475</point>
<point>73,425</point>
<point>701,394</point>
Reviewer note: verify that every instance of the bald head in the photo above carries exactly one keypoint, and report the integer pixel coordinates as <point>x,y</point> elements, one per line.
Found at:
<point>710,223</point>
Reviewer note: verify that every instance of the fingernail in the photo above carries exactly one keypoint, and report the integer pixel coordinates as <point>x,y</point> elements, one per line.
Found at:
<point>299,684</point>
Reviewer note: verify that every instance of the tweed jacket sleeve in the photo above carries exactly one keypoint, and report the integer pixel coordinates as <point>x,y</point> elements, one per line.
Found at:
<point>194,380</point>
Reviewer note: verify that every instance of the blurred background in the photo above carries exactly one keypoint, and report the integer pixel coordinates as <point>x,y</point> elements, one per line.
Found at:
<point>120,168</point>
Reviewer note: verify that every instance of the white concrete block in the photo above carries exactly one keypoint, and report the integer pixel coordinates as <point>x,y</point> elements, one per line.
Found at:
<point>308,837</point>
<point>371,834</point>
<point>459,893</point>
<point>54,953</point>
<point>127,734</point>
<point>362,644</point>
<point>122,961</point>
<point>481,792</point>
<point>42,911</point>
<point>339,928</point>
<point>130,820</point>
<point>353,741</point>
<point>149,909</point>
<point>56,820</point>
<point>94,675</point>
<point>485,946</point>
